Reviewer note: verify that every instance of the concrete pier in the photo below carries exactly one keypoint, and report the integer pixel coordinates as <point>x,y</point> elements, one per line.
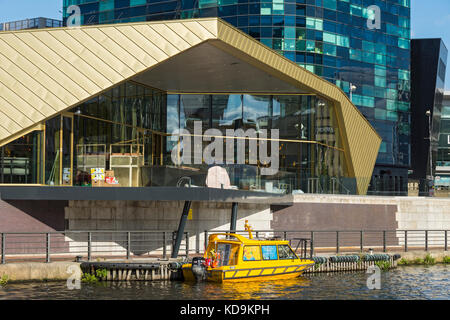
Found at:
<point>35,271</point>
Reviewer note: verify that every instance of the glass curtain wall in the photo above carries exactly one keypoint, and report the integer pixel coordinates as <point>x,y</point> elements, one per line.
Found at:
<point>309,142</point>
<point>21,161</point>
<point>328,37</point>
<point>127,137</point>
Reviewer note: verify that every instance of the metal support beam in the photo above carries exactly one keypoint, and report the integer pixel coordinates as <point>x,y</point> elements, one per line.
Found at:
<point>234,214</point>
<point>180,232</point>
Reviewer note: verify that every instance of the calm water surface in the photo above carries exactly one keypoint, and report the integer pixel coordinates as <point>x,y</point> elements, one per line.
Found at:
<point>419,282</point>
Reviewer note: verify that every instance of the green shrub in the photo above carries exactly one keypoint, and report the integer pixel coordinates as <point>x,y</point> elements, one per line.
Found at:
<point>403,262</point>
<point>383,265</point>
<point>429,260</point>
<point>4,280</point>
<point>446,260</point>
<point>101,273</point>
<point>89,278</point>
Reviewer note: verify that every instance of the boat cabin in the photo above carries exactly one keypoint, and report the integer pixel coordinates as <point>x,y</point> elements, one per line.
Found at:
<point>232,249</point>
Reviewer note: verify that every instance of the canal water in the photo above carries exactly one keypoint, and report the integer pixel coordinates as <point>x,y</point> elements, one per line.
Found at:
<point>404,283</point>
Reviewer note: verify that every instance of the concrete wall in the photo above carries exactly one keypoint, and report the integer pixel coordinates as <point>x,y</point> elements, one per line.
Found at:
<point>336,212</point>
<point>308,212</point>
<point>33,271</point>
<point>155,216</point>
<point>32,216</point>
<point>372,212</point>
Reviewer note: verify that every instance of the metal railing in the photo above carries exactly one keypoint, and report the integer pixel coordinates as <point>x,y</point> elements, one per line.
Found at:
<point>90,245</point>
<point>87,245</point>
<point>359,240</point>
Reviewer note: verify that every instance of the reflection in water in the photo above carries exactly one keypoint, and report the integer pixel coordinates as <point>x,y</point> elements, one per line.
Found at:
<point>281,289</point>
<point>401,283</point>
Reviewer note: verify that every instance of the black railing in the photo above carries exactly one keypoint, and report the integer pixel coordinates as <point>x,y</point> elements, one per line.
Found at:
<point>89,245</point>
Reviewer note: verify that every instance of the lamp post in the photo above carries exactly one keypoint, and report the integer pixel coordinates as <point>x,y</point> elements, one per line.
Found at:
<point>428,114</point>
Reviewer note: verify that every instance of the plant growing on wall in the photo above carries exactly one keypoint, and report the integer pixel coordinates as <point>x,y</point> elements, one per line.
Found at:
<point>383,265</point>
<point>101,273</point>
<point>429,260</point>
<point>4,280</point>
<point>89,278</point>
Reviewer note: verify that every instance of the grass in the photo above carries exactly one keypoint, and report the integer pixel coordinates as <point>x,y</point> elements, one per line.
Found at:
<point>4,280</point>
<point>403,262</point>
<point>383,265</point>
<point>100,274</point>
<point>89,278</point>
<point>429,260</point>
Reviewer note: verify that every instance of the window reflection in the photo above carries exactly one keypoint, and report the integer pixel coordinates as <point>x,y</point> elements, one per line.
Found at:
<point>21,160</point>
<point>124,138</point>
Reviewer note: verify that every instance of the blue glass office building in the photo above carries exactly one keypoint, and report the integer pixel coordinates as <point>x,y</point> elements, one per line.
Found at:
<point>328,37</point>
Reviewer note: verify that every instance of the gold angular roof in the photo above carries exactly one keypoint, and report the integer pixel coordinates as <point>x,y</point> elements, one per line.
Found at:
<point>46,71</point>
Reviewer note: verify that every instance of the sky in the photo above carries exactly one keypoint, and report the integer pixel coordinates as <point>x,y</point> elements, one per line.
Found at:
<point>429,18</point>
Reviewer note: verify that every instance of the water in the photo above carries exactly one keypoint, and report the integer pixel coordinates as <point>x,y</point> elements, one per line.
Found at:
<point>403,283</point>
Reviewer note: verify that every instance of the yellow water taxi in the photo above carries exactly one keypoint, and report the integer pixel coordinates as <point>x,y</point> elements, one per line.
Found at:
<point>233,257</point>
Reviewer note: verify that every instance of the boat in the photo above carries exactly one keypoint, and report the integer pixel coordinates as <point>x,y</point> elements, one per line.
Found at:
<point>233,257</point>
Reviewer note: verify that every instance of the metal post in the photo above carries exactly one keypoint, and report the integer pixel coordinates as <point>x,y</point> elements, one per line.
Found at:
<point>285,235</point>
<point>406,240</point>
<point>128,245</point>
<point>187,244</point>
<point>2,163</point>
<point>234,214</point>
<point>428,113</point>
<point>180,232</point>
<point>337,241</point>
<point>305,247</point>
<point>164,245</point>
<point>47,248</point>
<point>89,246</point>
<point>384,240</point>
<point>426,240</point>
<point>361,239</point>
<point>206,240</point>
<point>3,248</point>
<point>445,241</point>
<point>312,243</point>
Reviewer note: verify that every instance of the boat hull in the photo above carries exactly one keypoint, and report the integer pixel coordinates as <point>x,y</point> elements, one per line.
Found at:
<point>235,274</point>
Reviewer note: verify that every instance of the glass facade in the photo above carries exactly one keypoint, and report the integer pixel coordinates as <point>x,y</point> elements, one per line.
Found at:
<point>443,155</point>
<point>21,160</point>
<point>127,136</point>
<point>328,37</point>
<point>428,68</point>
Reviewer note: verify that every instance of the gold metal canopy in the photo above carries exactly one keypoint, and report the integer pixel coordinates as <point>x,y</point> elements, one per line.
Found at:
<point>46,71</point>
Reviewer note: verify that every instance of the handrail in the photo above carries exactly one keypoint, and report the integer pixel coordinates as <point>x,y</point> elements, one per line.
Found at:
<point>47,245</point>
